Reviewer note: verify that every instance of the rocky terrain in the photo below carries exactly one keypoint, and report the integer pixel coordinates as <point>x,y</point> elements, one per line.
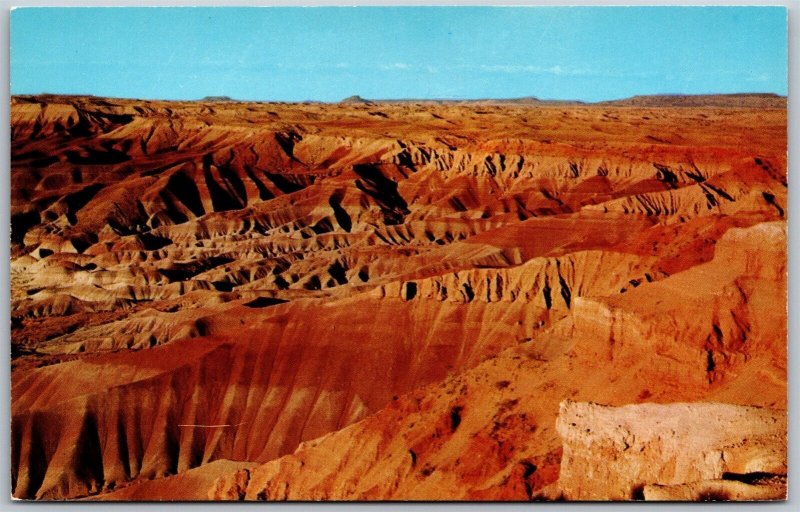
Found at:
<point>398,300</point>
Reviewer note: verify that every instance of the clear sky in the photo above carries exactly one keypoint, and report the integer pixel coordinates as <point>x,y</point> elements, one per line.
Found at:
<point>296,54</point>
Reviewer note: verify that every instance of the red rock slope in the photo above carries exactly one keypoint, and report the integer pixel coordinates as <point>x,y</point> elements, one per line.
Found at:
<point>377,300</point>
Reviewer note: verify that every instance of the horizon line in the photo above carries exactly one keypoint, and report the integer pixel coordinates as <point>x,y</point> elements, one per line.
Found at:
<point>357,97</point>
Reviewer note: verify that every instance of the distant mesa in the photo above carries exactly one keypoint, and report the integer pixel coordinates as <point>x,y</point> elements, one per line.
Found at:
<point>533,100</point>
<point>217,98</point>
<point>741,100</point>
<point>738,100</point>
<point>734,100</point>
<point>356,99</point>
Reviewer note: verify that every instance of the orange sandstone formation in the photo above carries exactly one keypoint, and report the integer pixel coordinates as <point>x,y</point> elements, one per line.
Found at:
<point>390,300</point>
<point>612,453</point>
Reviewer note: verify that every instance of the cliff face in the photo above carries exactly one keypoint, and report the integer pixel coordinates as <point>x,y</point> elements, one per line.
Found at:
<point>397,296</point>
<point>614,453</point>
<point>497,431</point>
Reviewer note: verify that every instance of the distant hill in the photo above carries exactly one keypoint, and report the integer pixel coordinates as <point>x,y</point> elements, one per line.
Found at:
<point>533,100</point>
<point>742,100</point>
<point>739,100</point>
<point>754,100</point>
<point>356,99</point>
<point>527,100</point>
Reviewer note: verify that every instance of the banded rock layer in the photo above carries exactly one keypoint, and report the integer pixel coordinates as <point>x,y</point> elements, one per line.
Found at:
<point>389,301</point>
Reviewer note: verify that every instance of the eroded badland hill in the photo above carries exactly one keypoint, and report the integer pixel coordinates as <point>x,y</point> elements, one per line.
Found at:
<point>222,300</point>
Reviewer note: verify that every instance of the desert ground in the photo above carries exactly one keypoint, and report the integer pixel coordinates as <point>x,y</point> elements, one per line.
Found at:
<point>398,300</point>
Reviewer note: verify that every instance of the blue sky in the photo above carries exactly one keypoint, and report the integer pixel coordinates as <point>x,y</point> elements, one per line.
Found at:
<point>296,54</point>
